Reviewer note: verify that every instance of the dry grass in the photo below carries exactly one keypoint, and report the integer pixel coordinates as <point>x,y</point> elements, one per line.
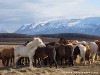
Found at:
<point>6,46</point>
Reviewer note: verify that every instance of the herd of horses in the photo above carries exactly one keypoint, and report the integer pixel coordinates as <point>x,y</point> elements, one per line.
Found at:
<point>53,53</point>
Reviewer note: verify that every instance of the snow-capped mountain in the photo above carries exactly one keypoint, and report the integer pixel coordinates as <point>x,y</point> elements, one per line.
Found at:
<point>48,27</point>
<point>88,25</point>
<point>3,31</point>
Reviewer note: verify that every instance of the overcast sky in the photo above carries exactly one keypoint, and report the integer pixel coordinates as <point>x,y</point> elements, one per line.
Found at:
<point>15,13</point>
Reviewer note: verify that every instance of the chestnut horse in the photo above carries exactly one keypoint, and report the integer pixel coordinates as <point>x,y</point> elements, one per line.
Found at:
<point>6,55</point>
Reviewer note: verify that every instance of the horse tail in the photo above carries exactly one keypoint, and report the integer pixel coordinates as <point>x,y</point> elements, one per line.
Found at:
<point>54,51</point>
<point>54,57</point>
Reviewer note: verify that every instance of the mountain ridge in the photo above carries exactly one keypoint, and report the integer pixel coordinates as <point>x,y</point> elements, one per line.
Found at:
<point>88,25</point>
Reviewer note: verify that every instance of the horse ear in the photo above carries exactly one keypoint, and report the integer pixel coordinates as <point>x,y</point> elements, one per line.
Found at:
<point>34,38</point>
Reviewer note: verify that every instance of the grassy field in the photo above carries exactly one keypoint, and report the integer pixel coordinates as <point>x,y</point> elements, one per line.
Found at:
<point>77,69</point>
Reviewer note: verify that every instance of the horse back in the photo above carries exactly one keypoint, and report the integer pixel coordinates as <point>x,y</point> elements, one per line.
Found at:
<point>62,51</point>
<point>8,52</point>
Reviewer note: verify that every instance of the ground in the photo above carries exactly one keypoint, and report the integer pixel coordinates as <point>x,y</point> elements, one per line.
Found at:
<point>75,70</point>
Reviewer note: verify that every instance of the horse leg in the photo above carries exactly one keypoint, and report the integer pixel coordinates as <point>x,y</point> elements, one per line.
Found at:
<point>71,60</point>
<point>55,63</point>
<point>3,62</point>
<point>54,59</point>
<point>7,63</point>
<point>26,61</point>
<point>51,63</point>
<point>31,58</point>
<point>84,62</point>
<point>65,60</point>
<point>22,61</point>
<point>11,61</point>
<point>61,61</point>
<point>35,62</point>
<point>16,58</point>
<point>39,61</point>
<point>93,59</point>
<point>45,61</point>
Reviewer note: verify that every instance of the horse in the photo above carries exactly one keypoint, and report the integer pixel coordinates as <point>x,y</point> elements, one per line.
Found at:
<point>87,54</point>
<point>80,50</point>
<point>28,50</point>
<point>72,41</point>
<point>98,43</point>
<point>62,41</point>
<point>47,54</point>
<point>93,50</point>
<point>65,52</point>
<point>7,55</point>
<point>23,60</point>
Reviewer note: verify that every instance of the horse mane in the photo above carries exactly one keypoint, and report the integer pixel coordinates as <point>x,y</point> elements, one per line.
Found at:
<point>30,44</point>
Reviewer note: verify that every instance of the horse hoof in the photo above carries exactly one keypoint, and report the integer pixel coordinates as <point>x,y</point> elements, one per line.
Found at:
<point>30,67</point>
<point>56,66</point>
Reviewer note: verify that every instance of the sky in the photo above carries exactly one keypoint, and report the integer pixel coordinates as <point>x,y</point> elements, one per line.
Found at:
<point>15,13</point>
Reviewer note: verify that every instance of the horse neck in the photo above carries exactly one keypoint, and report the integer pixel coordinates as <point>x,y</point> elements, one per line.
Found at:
<point>31,45</point>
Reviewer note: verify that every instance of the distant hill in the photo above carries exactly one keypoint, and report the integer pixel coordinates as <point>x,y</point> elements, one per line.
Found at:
<point>14,35</point>
<point>74,36</point>
<point>60,35</point>
<point>14,38</point>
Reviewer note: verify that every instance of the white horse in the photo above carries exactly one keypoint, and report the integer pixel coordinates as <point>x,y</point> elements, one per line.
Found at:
<point>28,50</point>
<point>93,50</point>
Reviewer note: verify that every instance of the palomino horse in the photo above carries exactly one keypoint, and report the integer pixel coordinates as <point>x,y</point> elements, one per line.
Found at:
<point>28,50</point>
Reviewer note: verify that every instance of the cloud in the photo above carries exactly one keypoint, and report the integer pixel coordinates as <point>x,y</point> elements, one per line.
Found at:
<point>20,12</point>
<point>57,8</point>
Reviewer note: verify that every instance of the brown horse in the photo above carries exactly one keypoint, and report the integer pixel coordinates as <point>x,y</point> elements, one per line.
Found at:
<point>65,52</point>
<point>44,52</point>
<point>87,54</point>
<point>6,55</point>
<point>62,41</point>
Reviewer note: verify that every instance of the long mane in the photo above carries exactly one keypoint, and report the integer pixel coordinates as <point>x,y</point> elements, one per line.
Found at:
<point>31,44</point>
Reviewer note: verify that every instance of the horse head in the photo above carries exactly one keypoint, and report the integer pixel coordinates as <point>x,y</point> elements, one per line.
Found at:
<point>39,42</point>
